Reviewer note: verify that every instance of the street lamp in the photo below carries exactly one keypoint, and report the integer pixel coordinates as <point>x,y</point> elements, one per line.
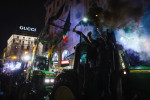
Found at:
<point>85,19</point>
<point>96,15</point>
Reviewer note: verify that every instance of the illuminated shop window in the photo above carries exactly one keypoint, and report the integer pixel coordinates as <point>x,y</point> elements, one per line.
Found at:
<point>55,57</point>
<point>65,53</point>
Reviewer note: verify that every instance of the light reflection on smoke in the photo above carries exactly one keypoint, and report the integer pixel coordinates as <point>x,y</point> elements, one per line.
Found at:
<point>138,40</point>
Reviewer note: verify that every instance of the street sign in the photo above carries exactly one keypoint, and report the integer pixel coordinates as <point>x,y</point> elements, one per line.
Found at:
<point>64,63</point>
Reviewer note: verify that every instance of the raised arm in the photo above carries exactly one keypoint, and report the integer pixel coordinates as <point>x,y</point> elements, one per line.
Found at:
<point>81,34</point>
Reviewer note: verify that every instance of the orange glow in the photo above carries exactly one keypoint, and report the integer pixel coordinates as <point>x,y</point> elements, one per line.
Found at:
<point>26,52</point>
<point>124,72</point>
<point>14,57</point>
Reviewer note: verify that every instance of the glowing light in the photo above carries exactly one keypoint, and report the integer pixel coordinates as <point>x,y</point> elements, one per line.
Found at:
<point>124,72</point>
<point>52,80</point>
<point>47,80</point>
<point>65,62</point>
<point>11,65</point>
<point>18,65</point>
<point>128,38</point>
<point>12,69</point>
<point>26,57</point>
<point>85,19</point>
<point>14,57</point>
<point>96,15</point>
<point>121,38</point>
<point>26,52</point>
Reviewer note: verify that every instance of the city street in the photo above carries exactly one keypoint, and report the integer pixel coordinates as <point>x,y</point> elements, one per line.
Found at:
<point>75,50</point>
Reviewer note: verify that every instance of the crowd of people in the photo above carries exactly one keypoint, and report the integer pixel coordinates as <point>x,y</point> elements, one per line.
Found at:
<point>101,63</point>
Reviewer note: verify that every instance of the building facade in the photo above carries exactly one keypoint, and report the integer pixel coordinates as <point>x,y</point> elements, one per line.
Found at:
<point>78,10</point>
<point>21,43</point>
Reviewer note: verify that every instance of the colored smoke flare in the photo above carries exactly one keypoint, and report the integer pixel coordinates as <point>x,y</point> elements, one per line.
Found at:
<point>136,39</point>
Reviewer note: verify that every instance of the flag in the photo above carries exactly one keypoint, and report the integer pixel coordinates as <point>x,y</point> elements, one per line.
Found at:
<point>66,28</point>
<point>65,37</point>
<point>67,23</point>
<point>51,21</point>
<point>53,18</point>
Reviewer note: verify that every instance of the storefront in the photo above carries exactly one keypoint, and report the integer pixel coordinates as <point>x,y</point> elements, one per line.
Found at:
<point>67,59</point>
<point>65,53</point>
<point>55,60</point>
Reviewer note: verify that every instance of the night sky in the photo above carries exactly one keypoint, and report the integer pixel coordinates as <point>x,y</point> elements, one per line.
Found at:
<point>14,13</point>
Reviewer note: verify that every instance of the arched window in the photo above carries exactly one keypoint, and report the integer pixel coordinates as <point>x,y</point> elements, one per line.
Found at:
<point>65,53</point>
<point>55,57</point>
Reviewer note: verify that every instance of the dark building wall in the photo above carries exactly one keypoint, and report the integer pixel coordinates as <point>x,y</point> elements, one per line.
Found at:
<point>79,9</point>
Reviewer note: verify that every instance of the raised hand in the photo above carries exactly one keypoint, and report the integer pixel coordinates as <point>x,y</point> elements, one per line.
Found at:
<point>74,29</point>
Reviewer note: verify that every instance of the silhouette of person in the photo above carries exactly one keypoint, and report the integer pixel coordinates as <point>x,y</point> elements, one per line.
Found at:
<point>100,64</point>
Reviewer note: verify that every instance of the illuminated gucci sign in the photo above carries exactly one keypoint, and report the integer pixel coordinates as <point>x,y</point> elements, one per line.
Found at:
<point>27,28</point>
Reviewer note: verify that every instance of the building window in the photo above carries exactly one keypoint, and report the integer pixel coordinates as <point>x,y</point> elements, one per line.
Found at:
<point>17,37</point>
<point>28,47</point>
<point>22,47</point>
<point>55,57</point>
<point>78,1</point>
<point>13,40</point>
<point>23,37</point>
<point>83,58</point>
<point>22,42</point>
<point>57,3</point>
<point>65,54</point>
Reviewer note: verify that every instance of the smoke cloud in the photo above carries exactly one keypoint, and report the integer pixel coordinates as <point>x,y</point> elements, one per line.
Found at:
<point>118,13</point>
<point>136,39</point>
